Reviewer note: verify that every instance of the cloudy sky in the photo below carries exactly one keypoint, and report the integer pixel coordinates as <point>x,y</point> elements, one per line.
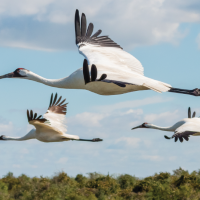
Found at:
<point>39,36</point>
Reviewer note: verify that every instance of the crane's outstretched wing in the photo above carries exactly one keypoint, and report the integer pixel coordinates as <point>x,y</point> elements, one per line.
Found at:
<point>101,50</point>
<point>56,113</point>
<point>92,73</point>
<point>189,113</point>
<point>184,131</point>
<point>38,122</point>
<point>54,119</point>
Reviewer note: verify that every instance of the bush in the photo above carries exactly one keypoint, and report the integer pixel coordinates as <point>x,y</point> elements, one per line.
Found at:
<point>181,185</point>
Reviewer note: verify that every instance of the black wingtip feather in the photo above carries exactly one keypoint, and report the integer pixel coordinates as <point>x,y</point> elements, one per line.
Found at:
<point>97,33</point>
<point>181,139</point>
<point>31,117</point>
<point>51,100</point>
<point>28,115</point>
<point>103,76</point>
<point>35,116</point>
<point>166,137</point>
<point>90,30</point>
<point>77,24</point>
<point>189,112</point>
<point>58,100</point>
<point>86,73</point>
<point>82,36</point>
<point>186,138</point>
<point>61,102</point>
<point>194,114</point>
<point>55,98</point>
<point>56,106</point>
<point>93,73</point>
<point>83,24</point>
<point>31,114</point>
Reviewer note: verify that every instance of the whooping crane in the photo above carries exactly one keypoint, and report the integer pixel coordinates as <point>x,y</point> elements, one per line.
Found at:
<point>50,128</point>
<point>182,129</point>
<point>122,72</point>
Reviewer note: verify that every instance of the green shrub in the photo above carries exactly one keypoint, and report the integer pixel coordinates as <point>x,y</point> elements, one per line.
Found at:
<point>181,185</point>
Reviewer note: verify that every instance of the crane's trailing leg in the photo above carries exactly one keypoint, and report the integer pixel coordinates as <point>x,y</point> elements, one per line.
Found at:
<point>93,140</point>
<point>195,92</point>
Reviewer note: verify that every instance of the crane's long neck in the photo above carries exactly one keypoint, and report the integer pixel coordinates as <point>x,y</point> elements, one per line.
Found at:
<point>60,83</point>
<point>30,135</point>
<point>171,128</point>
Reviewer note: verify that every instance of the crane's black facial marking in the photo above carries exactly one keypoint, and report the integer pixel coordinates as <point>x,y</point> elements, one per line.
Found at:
<point>16,74</point>
<point>1,137</point>
<point>143,125</point>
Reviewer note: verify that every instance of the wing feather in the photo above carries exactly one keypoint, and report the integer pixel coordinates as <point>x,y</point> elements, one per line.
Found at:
<point>56,113</point>
<point>97,33</point>
<point>185,130</point>
<point>55,108</point>
<point>90,30</point>
<point>54,119</point>
<point>104,51</point>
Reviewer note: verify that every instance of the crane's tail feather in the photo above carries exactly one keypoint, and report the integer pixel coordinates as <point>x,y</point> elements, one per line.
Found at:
<point>157,86</point>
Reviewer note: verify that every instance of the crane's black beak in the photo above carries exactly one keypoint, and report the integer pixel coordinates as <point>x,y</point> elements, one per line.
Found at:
<point>141,126</point>
<point>10,75</point>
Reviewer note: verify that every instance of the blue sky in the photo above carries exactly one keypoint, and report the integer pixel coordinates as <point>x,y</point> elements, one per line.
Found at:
<point>39,36</point>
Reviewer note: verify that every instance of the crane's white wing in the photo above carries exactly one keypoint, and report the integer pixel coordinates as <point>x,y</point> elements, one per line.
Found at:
<point>121,79</point>
<point>54,120</point>
<point>102,50</point>
<point>187,129</point>
<point>56,114</point>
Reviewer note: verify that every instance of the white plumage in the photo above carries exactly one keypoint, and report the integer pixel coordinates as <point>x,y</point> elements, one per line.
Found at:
<point>50,128</point>
<point>182,129</point>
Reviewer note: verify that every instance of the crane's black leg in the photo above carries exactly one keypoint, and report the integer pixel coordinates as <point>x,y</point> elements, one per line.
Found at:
<point>87,140</point>
<point>195,92</point>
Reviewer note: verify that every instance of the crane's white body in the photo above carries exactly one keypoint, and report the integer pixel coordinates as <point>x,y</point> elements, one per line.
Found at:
<point>50,128</point>
<point>186,124</point>
<point>54,130</point>
<point>120,72</point>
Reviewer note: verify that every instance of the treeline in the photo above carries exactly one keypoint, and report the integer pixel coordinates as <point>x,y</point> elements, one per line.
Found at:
<point>180,185</point>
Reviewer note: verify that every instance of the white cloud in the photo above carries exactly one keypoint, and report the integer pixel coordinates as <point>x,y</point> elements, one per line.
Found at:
<point>152,158</point>
<point>6,127</point>
<point>88,119</point>
<point>62,160</point>
<point>129,141</point>
<point>165,116</point>
<point>16,166</point>
<point>134,104</point>
<point>24,151</point>
<point>48,24</point>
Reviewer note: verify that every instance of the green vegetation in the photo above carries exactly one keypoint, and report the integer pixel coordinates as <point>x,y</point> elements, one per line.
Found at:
<point>180,185</point>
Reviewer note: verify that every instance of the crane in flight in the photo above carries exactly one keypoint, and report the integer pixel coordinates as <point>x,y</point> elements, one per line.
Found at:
<point>182,129</point>
<point>118,71</point>
<point>51,127</point>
